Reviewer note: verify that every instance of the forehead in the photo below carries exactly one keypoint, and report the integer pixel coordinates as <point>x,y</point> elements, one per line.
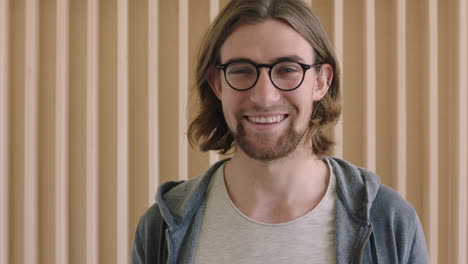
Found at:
<point>265,42</point>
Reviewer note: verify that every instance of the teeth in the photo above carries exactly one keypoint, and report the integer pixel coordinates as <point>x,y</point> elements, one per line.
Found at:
<point>266,120</point>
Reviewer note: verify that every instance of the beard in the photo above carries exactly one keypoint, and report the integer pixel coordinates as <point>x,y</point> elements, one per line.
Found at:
<point>261,147</point>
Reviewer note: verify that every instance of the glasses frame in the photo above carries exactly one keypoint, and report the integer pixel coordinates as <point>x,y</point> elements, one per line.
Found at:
<point>304,67</point>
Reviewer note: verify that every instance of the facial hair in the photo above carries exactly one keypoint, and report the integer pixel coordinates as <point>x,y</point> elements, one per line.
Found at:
<point>261,149</point>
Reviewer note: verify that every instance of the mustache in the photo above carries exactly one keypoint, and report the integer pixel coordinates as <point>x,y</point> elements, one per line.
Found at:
<point>257,109</point>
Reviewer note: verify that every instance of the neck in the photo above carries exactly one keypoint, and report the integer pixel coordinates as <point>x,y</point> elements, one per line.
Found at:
<point>276,191</point>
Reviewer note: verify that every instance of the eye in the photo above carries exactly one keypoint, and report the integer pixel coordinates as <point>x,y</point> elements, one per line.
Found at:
<point>286,68</point>
<point>241,69</point>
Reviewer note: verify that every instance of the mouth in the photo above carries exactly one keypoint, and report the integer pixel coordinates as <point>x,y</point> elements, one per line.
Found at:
<point>266,120</point>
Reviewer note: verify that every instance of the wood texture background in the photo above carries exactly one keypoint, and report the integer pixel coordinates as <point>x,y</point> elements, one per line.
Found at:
<point>96,96</point>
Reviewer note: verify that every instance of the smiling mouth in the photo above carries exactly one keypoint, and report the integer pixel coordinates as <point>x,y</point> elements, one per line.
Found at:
<point>266,119</point>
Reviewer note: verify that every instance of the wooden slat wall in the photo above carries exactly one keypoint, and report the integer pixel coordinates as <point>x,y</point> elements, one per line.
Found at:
<point>96,97</point>
<point>91,163</point>
<point>4,129</point>
<point>61,132</point>
<point>31,133</point>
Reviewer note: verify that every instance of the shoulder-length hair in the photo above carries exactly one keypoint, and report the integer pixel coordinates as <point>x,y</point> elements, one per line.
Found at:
<point>209,129</point>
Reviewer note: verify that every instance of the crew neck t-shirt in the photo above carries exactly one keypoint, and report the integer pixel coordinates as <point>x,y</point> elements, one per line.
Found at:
<point>229,236</point>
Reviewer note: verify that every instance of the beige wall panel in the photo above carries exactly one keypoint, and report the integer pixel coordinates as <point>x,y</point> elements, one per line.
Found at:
<point>417,95</point>
<point>386,83</point>
<point>93,143</point>
<point>199,20</point>
<point>324,10</point>
<point>183,88</point>
<point>4,127</point>
<point>153,99</point>
<point>445,82</point>
<point>31,166</point>
<point>461,103</point>
<point>401,101</point>
<point>122,196</point>
<point>47,155</point>
<point>77,134</point>
<point>168,83</point>
<point>139,114</point>
<point>214,10</point>
<point>370,93</point>
<point>338,39</point>
<point>353,73</point>
<point>431,193</point>
<point>16,130</point>
<point>108,131</point>
<point>61,132</point>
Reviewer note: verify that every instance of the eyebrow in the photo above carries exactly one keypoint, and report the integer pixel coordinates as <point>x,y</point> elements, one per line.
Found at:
<point>284,58</point>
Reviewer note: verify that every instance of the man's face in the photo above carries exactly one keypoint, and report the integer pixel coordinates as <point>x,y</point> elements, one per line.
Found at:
<point>267,123</point>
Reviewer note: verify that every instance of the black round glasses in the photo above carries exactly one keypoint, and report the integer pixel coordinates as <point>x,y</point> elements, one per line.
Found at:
<point>242,75</point>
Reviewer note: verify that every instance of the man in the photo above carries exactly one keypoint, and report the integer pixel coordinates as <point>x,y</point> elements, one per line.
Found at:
<point>268,82</point>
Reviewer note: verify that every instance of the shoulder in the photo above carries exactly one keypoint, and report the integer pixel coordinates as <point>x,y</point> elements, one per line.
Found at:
<point>389,204</point>
<point>150,225</point>
<point>148,236</point>
<point>397,227</point>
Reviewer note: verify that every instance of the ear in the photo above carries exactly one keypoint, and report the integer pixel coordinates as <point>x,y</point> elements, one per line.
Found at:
<point>214,81</point>
<point>323,81</point>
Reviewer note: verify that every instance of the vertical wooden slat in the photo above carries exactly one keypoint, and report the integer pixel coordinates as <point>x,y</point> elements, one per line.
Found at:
<point>31,213</point>
<point>169,78</point>
<point>446,168</point>
<point>338,41</point>
<point>183,88</point>
<point>432,192</point>
<point>122,133</point>
<point>61,132</point>
<point>92,180</point>
<point>77,132</point>
<point>401,97</point>
<point>214,10</point>
<point>198,21</point>
<point>354,74</point>
<point>4,126</point>
<point>153,87</point>
<point>370,87</point>
<point>462,132</point>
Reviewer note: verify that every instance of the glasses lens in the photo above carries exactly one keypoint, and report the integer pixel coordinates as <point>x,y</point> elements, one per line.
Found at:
<point>241,75</point>
<point>287,75</point>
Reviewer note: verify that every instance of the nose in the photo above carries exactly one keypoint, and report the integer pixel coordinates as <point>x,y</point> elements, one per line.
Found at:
<point>264,93</point>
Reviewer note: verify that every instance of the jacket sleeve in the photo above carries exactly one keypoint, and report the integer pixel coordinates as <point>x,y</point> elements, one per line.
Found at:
<point>138,254</point>
<point>418,252</point>
<point>149,243</point>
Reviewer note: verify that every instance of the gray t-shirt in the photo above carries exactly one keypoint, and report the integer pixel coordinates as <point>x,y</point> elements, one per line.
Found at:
<point>229,236</point>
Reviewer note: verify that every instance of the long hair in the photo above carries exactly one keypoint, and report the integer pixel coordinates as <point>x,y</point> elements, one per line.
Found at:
<point>209,129</point>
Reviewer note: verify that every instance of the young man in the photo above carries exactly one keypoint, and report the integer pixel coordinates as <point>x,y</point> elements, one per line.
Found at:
<point>268,81</point>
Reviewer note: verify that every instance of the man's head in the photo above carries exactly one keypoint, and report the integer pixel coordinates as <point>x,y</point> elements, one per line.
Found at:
<point>268,120</point>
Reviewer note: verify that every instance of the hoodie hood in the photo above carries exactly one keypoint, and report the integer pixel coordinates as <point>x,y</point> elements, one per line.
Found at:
<point>178,201</point>
<point>357,188</point>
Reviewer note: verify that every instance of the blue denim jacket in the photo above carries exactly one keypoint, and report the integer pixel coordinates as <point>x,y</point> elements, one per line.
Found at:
<point>373,223</point>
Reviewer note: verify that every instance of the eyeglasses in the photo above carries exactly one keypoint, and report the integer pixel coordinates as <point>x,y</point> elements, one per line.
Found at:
<point>242,75</point>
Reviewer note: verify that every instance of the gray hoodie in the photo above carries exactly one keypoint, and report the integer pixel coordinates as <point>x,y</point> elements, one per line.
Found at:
<point>373,223</point>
